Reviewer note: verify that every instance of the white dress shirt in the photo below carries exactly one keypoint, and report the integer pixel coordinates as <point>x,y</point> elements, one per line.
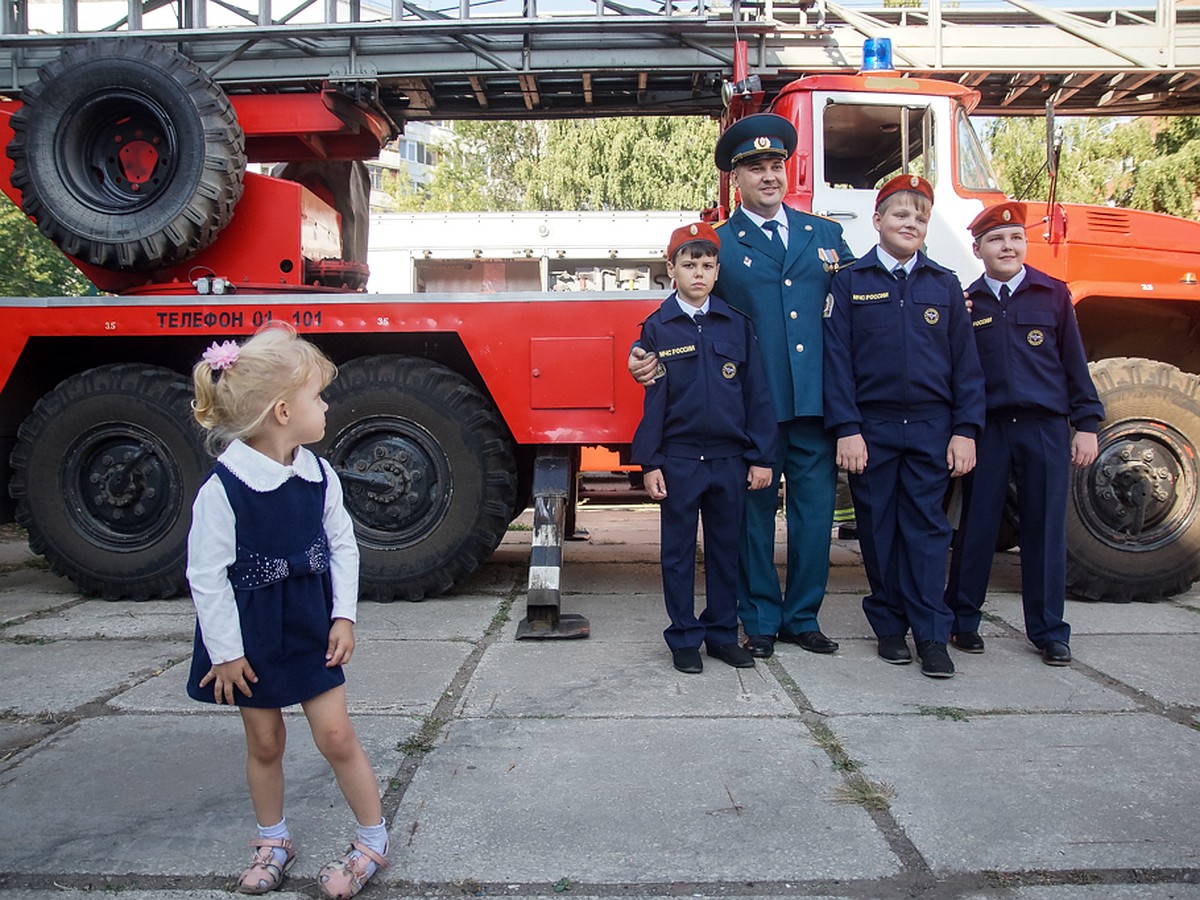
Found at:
<point>212,543</point>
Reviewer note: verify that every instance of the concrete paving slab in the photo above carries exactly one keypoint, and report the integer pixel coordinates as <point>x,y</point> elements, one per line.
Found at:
<point>503,800</point>
<point>1045,791</point>
<point>463,617</point>
<point>1088,617</point>
<point>1095,892</point>
<point>182,808</point>
<point>611,578</point>
<point>561,680</point>
<point>123,619</point>
<point>1161,665</point>
<point>393,677</point>
<point>638,618</point>
<point>26,591</point>
<point>59,676</point>
<point>1009,676</point>
<point>64,893</point>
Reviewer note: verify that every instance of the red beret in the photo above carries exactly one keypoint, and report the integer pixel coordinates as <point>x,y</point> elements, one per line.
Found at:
<point>701,231</point>
<point>914,183</point>
<point>1001,215</point>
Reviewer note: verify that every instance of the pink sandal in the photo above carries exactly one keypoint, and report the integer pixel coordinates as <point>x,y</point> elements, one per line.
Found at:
<point>345,876</point>
<point>264,873</point>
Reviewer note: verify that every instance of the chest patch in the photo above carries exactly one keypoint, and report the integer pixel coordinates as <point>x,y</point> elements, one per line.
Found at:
<point>867,298</point>
<point>1035,337</point>
<point>729,370</point>
<point>685,350</point>
<point>932,316</point>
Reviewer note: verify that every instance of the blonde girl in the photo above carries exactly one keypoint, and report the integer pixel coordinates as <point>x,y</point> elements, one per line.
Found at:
<point>273,570</point>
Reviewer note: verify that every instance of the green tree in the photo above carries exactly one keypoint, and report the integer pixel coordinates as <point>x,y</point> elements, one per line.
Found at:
<point>1151,164</point>
<point>31,266</point>
<point>617,163</point>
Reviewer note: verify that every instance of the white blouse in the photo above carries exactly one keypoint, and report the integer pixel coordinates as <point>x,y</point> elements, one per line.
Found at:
<point>212,543</point>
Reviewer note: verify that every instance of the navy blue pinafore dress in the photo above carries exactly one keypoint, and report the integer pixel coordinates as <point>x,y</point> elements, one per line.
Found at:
<point>284,593</point>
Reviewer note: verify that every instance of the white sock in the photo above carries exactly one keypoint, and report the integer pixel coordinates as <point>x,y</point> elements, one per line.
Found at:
<point>277,832</point>
<point>375,838</point>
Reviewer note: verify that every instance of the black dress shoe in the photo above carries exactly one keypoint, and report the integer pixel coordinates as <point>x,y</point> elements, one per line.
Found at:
<point>935,661</point>
<point>967,641</point>
<point>732,655</point>
<point>687,659</point>
<point>812,641</point>
<point>893,649</point>
<point>761,646</point>
<point>1056,653</point>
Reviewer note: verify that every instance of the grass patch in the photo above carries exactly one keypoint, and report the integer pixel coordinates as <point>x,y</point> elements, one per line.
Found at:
<point>519,526</point>
<point>422,742</point>
<point>865,793</point>
<point>953,713</point>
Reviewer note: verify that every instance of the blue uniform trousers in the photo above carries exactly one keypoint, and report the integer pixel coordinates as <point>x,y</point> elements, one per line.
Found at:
<point>903,531</point>
<point>806,459</point>
<point>1036,450</point>
<point>715,491</point>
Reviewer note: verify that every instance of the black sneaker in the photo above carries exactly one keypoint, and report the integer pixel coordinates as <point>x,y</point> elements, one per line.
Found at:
<point>935,661</point>
<point>893,648</point>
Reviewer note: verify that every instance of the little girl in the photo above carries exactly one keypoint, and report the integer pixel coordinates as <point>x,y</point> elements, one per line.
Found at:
<point>273,569</point>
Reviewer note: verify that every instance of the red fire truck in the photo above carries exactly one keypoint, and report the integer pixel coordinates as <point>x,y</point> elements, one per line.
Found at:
<point>134,162</point>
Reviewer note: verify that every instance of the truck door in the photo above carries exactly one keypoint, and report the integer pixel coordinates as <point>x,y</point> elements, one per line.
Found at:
<point>860,140</point>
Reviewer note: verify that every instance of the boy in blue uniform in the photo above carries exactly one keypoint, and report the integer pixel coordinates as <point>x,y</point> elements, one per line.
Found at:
<point>707,431</point>
<point>904,397</point>
<point>1038,386</point>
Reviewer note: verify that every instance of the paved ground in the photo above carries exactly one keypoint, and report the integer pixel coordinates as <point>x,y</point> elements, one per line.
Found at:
<point>591,768</point>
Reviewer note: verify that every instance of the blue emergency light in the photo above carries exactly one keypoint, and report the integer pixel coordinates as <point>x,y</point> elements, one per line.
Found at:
<point>877,55</point>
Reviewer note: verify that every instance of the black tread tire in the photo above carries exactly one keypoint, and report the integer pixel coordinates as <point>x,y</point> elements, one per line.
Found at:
<point>394,417</point>
<point>122,539</point>
<point>1159,405</point>
<point>69,180</point>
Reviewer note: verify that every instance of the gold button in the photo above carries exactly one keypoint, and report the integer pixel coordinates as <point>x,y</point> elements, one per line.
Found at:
<point>788,282</point>
<point>799,348</point>
<point>793,314</point>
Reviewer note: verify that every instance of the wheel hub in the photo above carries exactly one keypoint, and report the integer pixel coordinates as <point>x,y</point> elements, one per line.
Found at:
<point>397,479</point>
<point>121,490</point>
<point>118,150</point>
<point>1138,493</point>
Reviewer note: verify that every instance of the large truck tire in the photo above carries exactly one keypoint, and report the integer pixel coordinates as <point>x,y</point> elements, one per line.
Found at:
<point>428,471</point>
<point>104,473</point>
<point>1132,532</point>
<point>127,155</point>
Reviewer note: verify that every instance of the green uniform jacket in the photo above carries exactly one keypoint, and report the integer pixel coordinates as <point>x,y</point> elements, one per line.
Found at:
<point>783,292</point>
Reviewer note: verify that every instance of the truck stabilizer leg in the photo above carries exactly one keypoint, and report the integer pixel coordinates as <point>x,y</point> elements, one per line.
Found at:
<point>552,477</point>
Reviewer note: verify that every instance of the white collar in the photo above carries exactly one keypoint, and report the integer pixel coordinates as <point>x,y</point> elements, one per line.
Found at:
<point>692,311</point>
<point>1013,283</point>
<point>261,473</point>
<point>780,217</point>
<point>890,262</point>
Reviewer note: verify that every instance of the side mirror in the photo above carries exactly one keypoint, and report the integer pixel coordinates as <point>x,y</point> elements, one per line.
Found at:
<point>1054,139</point>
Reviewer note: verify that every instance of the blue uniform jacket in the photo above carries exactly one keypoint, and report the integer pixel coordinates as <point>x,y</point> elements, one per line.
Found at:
<point>783,292</point>
<point>891,358</point>
<point>1031,351</point>
<point>709,399</point>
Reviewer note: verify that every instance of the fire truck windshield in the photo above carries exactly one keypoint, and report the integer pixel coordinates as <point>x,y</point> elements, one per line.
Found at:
<point>974,170</point>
